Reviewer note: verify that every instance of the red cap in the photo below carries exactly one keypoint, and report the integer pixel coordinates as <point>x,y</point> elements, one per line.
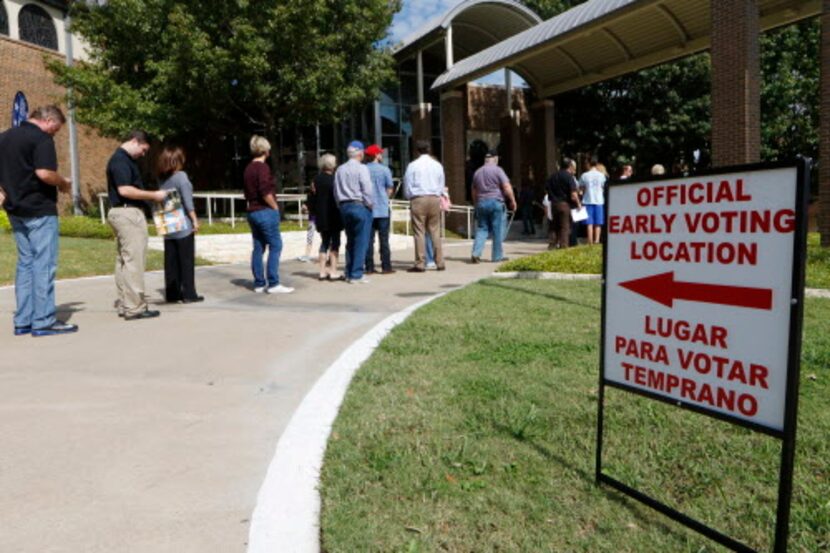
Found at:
<point>374,150</point>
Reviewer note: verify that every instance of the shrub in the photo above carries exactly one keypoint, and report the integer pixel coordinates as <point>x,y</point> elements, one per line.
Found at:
<point>5,225</point>
<point>84,227</point>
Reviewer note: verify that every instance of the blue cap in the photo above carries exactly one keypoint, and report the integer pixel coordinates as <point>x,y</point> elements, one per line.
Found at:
<point>356,144</point>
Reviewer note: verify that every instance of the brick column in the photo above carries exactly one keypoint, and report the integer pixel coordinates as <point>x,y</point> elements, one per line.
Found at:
<point>453,142</point>
<point>545,155</point>
<point>736,82</point>
<point>824,131</point>
<point>511,147</point>
<point>421,122</point>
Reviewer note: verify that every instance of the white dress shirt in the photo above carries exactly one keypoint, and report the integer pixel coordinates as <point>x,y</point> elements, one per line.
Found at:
<point>424,177</point>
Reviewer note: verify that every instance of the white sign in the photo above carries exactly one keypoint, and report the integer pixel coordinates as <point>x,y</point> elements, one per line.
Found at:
<point>698,291</point>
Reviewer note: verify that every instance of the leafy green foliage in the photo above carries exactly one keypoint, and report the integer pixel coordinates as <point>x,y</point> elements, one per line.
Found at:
<point>179,67</point>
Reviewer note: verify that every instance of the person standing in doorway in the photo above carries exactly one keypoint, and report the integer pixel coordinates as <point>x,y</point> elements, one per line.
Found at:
<point>563,195</point>
<point>354,194</point>
<point>423,187</point>
<point>592,184</point>
<point>491,190</point>
<point>264,219</point>
<point>128,219</point>
<point>383,187</point>
<point>29,186</point>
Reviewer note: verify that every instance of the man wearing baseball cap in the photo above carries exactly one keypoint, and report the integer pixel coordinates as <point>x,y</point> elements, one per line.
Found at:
<point>383,189</point>
<point>354,195</point>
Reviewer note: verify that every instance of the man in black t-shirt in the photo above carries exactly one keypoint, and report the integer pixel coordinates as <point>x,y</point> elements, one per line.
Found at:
<point>128,201</point>
<point>563,194</point>
<point>30,184</point>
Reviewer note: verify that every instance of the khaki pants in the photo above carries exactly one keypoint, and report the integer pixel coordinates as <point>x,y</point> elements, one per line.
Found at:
<point>130,228</point>
<point>426,217</point>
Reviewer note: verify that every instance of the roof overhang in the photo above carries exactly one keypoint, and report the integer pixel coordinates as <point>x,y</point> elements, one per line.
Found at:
<point>603,39</point>
<point>477,24</point>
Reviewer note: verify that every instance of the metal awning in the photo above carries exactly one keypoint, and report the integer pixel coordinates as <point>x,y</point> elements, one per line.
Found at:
<point>603,39</point>
<point>476,25</point>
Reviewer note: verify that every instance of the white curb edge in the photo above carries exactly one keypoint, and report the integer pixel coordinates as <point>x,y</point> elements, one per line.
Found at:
<point>287,513</point>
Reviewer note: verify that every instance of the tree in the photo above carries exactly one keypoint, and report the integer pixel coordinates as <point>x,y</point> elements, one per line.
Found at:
<point>196,67</point>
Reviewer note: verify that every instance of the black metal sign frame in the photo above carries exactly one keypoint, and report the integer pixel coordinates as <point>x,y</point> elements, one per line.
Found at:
<point>787,436</point>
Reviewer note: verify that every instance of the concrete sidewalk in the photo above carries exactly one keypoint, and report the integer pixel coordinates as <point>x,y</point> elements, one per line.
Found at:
<point>155,436</point>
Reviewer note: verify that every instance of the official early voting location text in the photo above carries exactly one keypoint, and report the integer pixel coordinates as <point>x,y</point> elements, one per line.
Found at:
<point>703,292</point>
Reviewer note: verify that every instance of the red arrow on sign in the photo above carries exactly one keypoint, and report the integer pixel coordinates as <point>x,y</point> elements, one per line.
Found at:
<point>664,289</point>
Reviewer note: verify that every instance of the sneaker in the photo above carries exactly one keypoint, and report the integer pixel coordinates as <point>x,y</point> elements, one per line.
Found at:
<point>304,259</point>
<point>22,330</point>
<point>432,266</point>
<point>361,280</point>
<point>503,259</point>
<point>280,289</point>
<point>474,260</point>
<point>59,327</point>
<point>260,289</point>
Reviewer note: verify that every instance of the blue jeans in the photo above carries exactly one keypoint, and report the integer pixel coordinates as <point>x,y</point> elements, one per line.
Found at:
<point>265,228</point>
<point>358,222</point>
<point>37,263</point>
<point>430,249</point>
<point>381,225</point>
<point>490,219</point>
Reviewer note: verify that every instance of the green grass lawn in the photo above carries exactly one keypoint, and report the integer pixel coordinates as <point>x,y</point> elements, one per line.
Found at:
<point>78,257</point>
<point>588,260</point>
<point>472,428</point>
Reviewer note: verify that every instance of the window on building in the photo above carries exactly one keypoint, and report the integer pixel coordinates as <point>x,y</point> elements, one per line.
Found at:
<point>36,26</point>
<point>4,20</point>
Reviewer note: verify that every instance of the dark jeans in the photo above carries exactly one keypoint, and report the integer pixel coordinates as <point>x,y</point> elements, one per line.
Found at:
<point>527,219</point>
<point>265,229</point>
<point>179,268</point>
<point>357,219</point>
<point>381,226</point>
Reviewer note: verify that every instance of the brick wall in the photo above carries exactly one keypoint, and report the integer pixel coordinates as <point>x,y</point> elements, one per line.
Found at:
<point>736,82</point>
<point>22,68</point>
<point>486,105</point>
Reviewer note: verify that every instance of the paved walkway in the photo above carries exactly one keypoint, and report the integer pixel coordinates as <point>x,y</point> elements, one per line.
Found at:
<point>155,436</point>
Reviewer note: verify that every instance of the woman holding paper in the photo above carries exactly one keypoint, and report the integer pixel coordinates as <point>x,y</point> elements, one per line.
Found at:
<point>179,246</point>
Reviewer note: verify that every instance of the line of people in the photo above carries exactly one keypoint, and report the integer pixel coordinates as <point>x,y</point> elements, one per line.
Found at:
<point>353,197</point>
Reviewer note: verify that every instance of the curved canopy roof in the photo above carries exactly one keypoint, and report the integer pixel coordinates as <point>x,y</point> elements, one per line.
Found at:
<point>476,25</point>
<point>602,39</point>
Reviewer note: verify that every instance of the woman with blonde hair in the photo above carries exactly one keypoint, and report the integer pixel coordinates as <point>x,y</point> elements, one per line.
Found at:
<point>329,224</point>
<point>264,219</point>
<point>179,246</point>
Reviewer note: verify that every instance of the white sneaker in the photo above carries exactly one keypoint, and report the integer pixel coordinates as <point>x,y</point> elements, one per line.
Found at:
<point>260,289</point>
<point>304,259</point>
<point>362,280</point>
<point>432,266</point>
<point>280,289</point>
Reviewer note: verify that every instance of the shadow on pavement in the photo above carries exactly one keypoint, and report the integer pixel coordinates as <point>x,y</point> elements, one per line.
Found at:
<point>496,284</point>
<point>66,310</point>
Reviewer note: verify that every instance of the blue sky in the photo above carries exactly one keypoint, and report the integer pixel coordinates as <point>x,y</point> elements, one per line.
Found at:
<point>415,13</point>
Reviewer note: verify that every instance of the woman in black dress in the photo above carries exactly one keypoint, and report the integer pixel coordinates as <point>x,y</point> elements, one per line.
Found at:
<point>322,204</point>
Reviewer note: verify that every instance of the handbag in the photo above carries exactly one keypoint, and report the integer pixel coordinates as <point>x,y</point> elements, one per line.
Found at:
<point>169,215</point>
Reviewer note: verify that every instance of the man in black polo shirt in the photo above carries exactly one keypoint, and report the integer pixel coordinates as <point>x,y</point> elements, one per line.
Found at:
<point>563,194</point>
<point>30,184</point>
<point>127,217</point>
